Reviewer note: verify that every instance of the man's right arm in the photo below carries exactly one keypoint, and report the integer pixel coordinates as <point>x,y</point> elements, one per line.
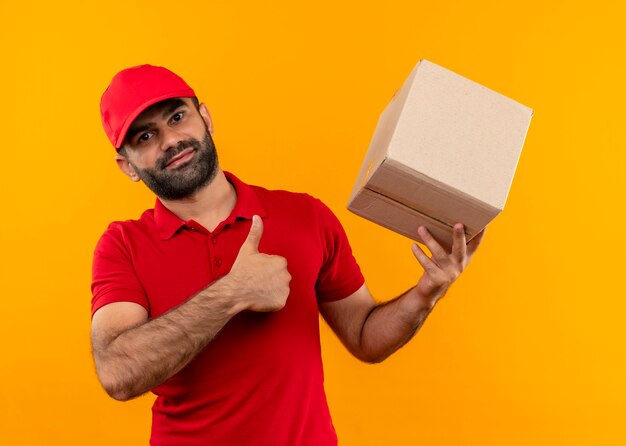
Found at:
<point>134,354</point>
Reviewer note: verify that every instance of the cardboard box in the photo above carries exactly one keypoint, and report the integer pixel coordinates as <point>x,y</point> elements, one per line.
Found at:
<point>444,151</point>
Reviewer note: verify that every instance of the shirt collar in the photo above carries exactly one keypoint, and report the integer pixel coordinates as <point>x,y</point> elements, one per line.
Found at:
<point>247,205</point>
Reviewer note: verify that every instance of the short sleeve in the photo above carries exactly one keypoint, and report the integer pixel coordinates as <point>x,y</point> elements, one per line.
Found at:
<point>113,275</point>
<point>340,275</point>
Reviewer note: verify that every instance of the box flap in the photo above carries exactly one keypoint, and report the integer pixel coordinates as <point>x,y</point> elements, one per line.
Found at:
<point>427,196</point>
<point>402,219</point>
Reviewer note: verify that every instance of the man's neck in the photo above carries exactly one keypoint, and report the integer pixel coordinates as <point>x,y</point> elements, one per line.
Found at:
<point>209,206</point>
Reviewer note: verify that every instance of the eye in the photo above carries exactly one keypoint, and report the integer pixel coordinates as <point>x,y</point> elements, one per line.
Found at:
<point>178,116</point>
<point>144,137</point>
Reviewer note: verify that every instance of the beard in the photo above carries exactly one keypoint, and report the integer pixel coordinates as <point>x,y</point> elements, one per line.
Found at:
<point>186,179</point>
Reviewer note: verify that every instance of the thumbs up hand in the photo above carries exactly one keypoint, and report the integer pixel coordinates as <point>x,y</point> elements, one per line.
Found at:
<point>260,281</point>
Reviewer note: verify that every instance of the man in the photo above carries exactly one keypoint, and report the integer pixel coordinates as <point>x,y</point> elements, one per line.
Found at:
<point>211,299</point>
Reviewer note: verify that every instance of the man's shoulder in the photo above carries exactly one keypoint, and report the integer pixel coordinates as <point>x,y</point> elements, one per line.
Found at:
<point>279,197</point>
<point>281,194</point>
<point>120,228</point>
<point>289,201</point>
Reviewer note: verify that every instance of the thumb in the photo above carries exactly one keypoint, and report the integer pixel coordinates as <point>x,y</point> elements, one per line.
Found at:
<point>254,236</point>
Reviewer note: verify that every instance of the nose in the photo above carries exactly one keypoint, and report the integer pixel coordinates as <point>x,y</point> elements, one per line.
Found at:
<point>170,138</point>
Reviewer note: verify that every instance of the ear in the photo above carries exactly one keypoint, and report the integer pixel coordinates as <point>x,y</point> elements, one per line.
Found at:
<point>206,116</point>
<point>126,167</point>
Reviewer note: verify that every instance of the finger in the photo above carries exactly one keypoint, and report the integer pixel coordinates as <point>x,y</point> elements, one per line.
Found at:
<point>426,262</point>
<point>473,244</point>
<point>251,244</point>
<point>435,248</point>
<point>459,250</point>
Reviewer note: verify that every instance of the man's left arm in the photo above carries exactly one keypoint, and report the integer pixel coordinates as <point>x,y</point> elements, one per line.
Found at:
<point>371,331</point>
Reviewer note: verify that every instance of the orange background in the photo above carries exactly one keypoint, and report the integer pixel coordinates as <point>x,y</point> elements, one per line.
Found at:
<point>528,345</point>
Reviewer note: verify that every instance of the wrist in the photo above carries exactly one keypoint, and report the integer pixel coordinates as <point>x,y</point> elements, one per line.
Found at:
<point>224,291</point>
<point>420,302</point>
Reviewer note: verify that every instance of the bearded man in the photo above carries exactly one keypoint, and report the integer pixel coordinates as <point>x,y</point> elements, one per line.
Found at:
<point>211,299</point>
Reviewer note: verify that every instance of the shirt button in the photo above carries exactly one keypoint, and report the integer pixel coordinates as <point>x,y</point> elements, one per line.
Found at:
<point>214,240</point>
<point>218,262</point>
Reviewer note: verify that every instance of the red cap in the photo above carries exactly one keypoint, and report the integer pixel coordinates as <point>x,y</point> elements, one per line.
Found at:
<point>133,90</point>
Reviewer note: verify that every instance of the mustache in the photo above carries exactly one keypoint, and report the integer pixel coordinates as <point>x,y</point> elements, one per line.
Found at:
<point>171,153</point>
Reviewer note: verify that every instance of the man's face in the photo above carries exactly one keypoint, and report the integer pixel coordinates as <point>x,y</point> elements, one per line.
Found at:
<point>170,148</point>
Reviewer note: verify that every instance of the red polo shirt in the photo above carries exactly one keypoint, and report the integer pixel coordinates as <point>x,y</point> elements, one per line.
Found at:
<point>260,381</point>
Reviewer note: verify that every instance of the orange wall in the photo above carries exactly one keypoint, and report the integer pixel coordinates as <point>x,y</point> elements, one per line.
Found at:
<point>527,347</point>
